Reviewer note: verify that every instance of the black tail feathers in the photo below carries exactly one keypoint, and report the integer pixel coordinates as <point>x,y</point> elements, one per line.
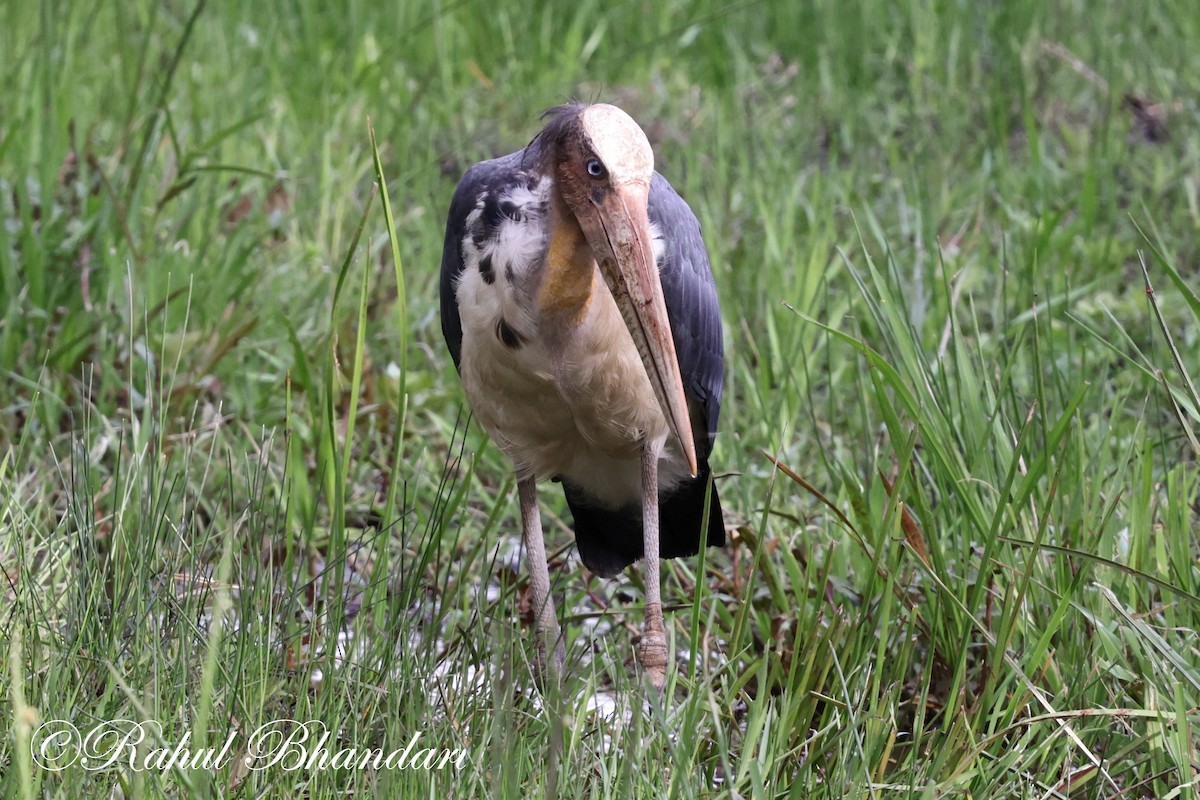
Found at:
<point>610,539</point>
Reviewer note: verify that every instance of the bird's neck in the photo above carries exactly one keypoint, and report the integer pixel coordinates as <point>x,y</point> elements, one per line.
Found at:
<point>570,276</point>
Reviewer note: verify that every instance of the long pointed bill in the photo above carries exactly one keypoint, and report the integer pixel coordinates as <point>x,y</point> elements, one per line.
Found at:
<point>620,237</point>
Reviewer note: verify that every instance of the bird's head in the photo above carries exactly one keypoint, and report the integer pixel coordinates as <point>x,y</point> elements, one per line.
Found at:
<point>602,166</point>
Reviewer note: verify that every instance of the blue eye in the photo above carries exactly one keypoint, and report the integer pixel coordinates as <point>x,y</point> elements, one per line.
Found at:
<point>595,168</point>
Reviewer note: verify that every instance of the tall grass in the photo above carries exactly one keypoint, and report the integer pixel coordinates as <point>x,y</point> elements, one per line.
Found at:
<point>955,247</point>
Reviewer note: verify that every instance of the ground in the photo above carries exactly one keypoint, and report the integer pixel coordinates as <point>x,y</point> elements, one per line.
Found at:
<point>956,246</point>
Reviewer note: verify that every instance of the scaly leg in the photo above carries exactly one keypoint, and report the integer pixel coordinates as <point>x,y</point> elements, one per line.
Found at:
<point>653,651</point>
<point>539,581</point>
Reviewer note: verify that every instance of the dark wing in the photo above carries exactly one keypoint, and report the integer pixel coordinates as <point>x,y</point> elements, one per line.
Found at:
<point>487,179</point>
<point>691,299</point>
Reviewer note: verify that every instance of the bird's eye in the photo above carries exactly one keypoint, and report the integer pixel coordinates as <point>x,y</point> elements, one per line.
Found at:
<point>595,168</point>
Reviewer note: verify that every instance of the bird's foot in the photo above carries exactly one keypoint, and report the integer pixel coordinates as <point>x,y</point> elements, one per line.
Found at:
<point>652,650</point>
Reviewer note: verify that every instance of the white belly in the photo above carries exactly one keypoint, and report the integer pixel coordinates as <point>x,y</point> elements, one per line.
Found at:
<point>581,408</point>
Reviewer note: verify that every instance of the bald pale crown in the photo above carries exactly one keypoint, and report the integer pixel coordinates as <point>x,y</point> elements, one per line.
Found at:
<point>619,143</point>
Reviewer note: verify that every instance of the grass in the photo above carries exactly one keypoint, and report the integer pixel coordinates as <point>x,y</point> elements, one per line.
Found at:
<point>959,442</point>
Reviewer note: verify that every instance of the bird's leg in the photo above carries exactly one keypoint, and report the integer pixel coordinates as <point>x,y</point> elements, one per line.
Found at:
<point>652,652</point>
<point>548,638</point>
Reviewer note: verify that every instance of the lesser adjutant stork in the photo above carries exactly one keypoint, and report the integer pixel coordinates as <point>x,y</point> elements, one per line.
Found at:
<point>579,307</point>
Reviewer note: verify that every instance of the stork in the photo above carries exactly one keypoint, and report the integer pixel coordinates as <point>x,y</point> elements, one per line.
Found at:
<point>579,308</point>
